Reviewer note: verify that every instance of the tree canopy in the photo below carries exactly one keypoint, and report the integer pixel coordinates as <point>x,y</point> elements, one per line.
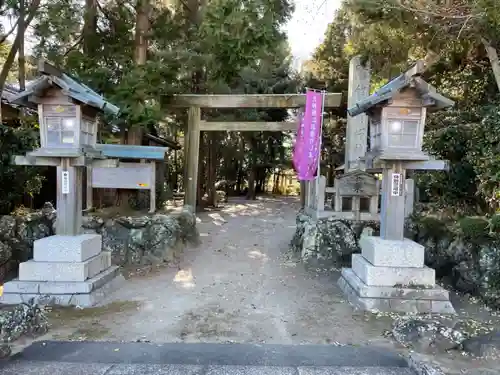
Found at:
<point>137,53</point>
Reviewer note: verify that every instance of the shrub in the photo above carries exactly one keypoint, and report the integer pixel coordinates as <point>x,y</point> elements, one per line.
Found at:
<point>495,223</point>
<point>431,227</point>
<point>474,227</point>
<point>16,181</point>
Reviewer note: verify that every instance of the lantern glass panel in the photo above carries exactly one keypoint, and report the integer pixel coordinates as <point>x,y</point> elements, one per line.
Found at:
<point>403,133</point>
<point>87,132</point>
<point>60,131</point>
<point>375,135</point>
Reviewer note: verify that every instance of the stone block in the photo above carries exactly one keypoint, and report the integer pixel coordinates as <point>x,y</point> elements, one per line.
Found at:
<point>64,271</point>
<point>442,307</point>
<point>392,276</point>
<point>60,287</point>
<point>370,291</point>
<point>67,248</point>
<point>93,298</point>
<point>392,253</point>
<point>349,284</point>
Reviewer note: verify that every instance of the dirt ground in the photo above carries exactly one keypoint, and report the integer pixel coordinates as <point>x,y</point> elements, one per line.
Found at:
<point>243,285</point>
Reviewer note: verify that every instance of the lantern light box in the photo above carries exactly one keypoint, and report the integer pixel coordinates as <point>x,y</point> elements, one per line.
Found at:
<point>397,114</point>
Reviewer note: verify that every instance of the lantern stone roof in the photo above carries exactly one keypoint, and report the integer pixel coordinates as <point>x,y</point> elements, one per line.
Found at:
<point>70,86</point>
<point>412,78</point>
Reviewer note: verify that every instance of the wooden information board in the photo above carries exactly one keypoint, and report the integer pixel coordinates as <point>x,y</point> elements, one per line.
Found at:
<point>125,176</point>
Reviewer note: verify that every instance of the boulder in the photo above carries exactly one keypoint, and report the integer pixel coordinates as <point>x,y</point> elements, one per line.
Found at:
<point>486,345</point>
<point>468,259</point>
<point>328,238</point>
<point>425,336</point>
<point>26,319</point>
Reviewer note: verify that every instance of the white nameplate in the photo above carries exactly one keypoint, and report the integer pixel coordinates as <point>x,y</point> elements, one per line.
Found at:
<point>396,184</point>
<point>65,182</point>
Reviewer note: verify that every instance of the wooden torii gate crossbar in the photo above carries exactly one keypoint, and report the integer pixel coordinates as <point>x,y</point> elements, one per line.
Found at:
<point>194,103</point>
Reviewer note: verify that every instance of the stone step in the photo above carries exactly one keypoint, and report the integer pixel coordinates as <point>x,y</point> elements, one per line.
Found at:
<point>117,358</point>
<point>67,248</point>
<point>61,287</point>
<point>392,299</point>
<point>65,368</point>
<point>64,271</point>
<point>83,294</point>
<point>392,276</point>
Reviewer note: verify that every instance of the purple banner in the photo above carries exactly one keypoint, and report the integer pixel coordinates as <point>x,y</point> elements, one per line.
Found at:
<point>307,145</point>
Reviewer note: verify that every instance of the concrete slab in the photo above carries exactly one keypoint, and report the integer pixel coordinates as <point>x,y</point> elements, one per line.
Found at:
<point>201,354</point>
<point>62,271</point>
<point>250,370</point>
<point>53,368</point>
<point>65,368</point>
<point>60,248</point>
<point>391,253</point>
<point>353,371</point>
<point>155,370</point>
<point>391,276</point>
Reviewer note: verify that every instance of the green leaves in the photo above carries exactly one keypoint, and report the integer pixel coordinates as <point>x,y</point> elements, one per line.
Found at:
<point>15,181</point>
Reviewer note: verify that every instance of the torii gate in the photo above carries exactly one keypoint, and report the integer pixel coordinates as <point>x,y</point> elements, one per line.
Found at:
<point>195,103</point>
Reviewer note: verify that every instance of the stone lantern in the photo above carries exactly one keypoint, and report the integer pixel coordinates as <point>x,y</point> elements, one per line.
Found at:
<point>389,274</point>
<point>68,268</point>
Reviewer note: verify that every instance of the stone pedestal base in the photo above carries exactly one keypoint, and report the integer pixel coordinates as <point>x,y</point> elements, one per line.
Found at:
<point>384,286</point>
<point>65,270</point>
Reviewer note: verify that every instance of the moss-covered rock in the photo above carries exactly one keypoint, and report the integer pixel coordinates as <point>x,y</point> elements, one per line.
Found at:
<point>465,253</point>
<point>495,223</point>
<point>328,239</point>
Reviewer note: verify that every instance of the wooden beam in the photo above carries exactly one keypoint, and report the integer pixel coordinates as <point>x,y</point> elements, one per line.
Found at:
<point>434,165</point>
<point>194,119</point>
<point>332,100</point>
<point>38,161</point>
<point>247,126</point>
<point>45,67</point>
<point>106,163</point>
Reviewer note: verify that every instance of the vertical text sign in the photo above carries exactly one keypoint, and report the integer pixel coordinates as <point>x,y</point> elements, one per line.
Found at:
<point>307,146</point>
<point>357,127</point>
<point>65,182</point>
<point>396,183</point>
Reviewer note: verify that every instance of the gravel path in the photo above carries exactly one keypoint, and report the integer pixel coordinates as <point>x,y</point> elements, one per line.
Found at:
<point>239,285</point>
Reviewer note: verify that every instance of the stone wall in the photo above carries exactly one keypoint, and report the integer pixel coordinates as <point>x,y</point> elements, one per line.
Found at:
<point>466,255</point>
<point>145,239</point>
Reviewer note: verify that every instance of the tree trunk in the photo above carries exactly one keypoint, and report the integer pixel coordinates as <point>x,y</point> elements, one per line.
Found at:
<point>21,59</point>
<point>89,28</point>
<point>212,168</point>
<point>17,43</point>
<point>277,182</point>
<point>201,169</point>
<point>251,195</point>
<point>176,170</point>
<point>494,61</point>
